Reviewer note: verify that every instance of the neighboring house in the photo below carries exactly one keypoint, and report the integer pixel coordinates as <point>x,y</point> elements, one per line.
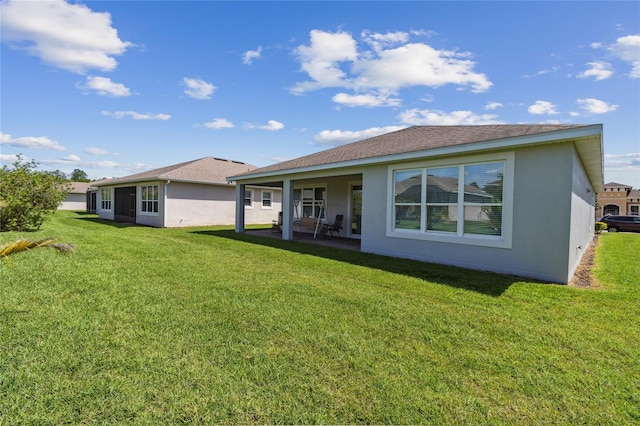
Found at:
<point>513,199</point>
<point>618,199</point>
<point>194,193</point>
<point>77,197</point>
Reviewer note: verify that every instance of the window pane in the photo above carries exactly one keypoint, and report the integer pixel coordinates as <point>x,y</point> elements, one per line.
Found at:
<point>442,185</point>
<point>483,183</point>
<point>307,194</point>
<point>407,217</point>
<point>442,218</point>
<point>483,220</point>
<point>408,186</point>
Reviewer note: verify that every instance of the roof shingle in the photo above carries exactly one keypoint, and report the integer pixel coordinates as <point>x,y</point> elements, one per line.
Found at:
<point>413,139</point>
<point>203,170</point>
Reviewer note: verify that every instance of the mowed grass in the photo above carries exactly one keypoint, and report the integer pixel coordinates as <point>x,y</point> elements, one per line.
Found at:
<point>202,325</point>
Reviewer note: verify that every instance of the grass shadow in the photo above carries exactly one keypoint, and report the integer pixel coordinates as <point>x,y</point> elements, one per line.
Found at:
<point>108,222</point>
<point>487,283</point>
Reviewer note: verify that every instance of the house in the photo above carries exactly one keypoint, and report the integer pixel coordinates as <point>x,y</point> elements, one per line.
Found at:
<point>77,196</point>
<point>194,193</point>
<point>513,199</point>
<point>618,199</point>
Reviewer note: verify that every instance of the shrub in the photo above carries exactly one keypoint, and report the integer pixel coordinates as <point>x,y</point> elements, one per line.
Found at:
<point>28,196</point>
<point>600,226</point>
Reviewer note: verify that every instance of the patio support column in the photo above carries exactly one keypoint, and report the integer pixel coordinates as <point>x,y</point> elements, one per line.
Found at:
<point>240,207</point>
<point>287,209</point>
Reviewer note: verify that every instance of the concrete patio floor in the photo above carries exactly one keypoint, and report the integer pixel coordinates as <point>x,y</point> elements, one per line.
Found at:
<point>303,237</point>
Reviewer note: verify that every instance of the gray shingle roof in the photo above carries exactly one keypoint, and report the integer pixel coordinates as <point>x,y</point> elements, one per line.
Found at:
<point>79,187</point>
<point>204,170</point>
<point>413,139</point>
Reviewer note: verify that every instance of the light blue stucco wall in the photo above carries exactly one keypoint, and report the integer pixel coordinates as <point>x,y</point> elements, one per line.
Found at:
<point>582,214</point>
<point>548,181</point>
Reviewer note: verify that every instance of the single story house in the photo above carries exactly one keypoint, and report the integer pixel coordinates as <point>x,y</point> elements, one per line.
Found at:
<point>77,196</point>
<point>513,199</point>
<point>194,193</point>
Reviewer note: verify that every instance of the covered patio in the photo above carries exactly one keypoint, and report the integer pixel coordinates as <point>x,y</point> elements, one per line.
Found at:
<point>307,238</point>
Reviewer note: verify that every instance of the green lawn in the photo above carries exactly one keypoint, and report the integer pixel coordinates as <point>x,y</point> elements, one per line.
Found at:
<point>202,325</point>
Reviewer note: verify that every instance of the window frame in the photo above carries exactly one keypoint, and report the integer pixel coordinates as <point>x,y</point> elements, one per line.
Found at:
<point>317,205</point>
<point>154,202</point>
<point>269,199</point>
<point>248,196</point>
<point>459,237</point>
<point>106,201</point>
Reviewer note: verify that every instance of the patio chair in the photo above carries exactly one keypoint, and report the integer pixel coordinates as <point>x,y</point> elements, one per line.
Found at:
<point>336,226</point>
<point>276,225</point>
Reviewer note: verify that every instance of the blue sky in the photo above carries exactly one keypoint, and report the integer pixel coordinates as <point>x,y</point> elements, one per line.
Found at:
<point>115,88</point>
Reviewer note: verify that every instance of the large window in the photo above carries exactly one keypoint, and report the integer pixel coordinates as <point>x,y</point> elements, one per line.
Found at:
<point>452,202</point>
<point>105,196</point>
<point>149,198</point>
<point>309,201</point>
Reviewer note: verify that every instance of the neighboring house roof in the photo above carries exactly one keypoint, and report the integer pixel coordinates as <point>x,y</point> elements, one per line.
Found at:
<point>210,170</point>
<point>634,193</point>
<point>79,187</point>
<point>408,143</point>
<point>437,184</point>
<point>616,185</point>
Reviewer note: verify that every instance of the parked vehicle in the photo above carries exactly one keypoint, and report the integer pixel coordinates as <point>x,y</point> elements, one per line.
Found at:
<point>622,223</point>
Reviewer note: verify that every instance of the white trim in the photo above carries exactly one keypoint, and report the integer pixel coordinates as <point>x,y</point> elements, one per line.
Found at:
<point>110,200</point>
<point>503,241</point>
<point>349,218</point>
<point>250,193</point>
<point>262,199</point>
<point>139,196</point>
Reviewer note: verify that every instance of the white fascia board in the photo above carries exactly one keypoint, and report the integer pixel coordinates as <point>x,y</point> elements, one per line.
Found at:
<point>490,145</point>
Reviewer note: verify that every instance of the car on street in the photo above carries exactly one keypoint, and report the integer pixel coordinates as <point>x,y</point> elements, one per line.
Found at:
<point>616,223</point>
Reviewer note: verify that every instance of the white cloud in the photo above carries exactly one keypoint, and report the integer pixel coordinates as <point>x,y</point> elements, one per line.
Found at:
<point>417,117</point>
<point>198,89</point>
<point>627,48</point>
<point>31,142</point>
<point>493,105</point>
<point>596,106</point>
<point>250,55</point>
<point>104,86</point>
<point>334,60</point>
<point>12,158</point>
<point>67,36</point>
<point>542,107</point>
<point>379,41</point>
<point>630,159</point>
<point>96,151</point>
<point>367,100</point>
<point>219,123</point>
<point>272,125</point>
<point>137,115</point>
<point>73,158</point>
<point>597,70</point>
<point>341,137</point>
<point>554,68</point>
<point>322,57</point>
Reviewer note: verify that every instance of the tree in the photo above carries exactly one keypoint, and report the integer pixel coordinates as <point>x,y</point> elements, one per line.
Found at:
<point>58,174</point>
<point>79,176</point>
<point>28,196</point>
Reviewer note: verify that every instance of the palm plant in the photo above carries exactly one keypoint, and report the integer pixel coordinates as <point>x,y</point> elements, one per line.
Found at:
<point>23,244</point>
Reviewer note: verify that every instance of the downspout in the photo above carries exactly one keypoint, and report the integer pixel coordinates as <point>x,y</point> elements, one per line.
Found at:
<point>164,203</point>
